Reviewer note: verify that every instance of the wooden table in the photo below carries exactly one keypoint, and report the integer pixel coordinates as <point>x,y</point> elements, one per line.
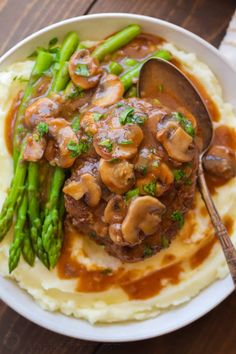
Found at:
<point>214,333</point>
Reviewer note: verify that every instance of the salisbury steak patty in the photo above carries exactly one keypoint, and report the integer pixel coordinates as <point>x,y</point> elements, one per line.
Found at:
<point>132,192</point>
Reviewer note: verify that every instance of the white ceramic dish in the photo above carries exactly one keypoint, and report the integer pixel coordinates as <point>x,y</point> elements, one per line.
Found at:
<point>96,27</point>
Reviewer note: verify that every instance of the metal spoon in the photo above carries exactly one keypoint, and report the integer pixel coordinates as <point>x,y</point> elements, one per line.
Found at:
<point>164,73</point>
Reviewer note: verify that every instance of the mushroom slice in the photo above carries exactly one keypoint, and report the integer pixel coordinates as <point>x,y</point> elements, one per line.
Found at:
<point>115,210</point>
<point>84,70</point>
<point>165,174</point>
<point>129,142</point>
<point>144,215</point>
<point>116,235</point>
<point>63,135</point>
<point>177,144</point>
<point>39,110</point>
<point>118,177</point>
<point>119,143</point>
<point>34,148</point>
<point>220,161</point>
<point>109,91</point>
<point>88,123</point>
<point>86,187</point>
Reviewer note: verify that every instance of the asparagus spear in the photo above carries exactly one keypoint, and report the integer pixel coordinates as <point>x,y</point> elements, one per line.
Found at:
<point>15,248</point>
<point>50,226</point>
<point>26,248</point>
<point>60,79</point>
<point>127,78</point>
<point>43,62</point>
<point>34,212</point>
<point>51,240</point>
<point>116,41</point>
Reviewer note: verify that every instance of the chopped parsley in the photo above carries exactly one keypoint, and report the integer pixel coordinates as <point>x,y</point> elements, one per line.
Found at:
<point>114,160</point>
<point>142,169</point>
<point>52,42</point>
<point>97,116</point>
<point>21,79</point>
<point>77,148</point>
<point>126,142</point>
<point>178,174</point>
<point>156,164</point>
<point>107,144</point>
<point>76,91</point>
<point>76,124</point>
<point>36,137</point>
<point>150,188</point>
<point>164,242</point>
<point>185,123</point>
<point>42,128</point>
<point>188,182</point>
<point>128,116</point>
<point>131,194</point>
<point>148,251</point>
<point>178,216</point>
<point>82,70</point>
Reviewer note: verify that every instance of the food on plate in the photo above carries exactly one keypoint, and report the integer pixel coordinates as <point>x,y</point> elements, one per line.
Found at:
<point>103,213</point>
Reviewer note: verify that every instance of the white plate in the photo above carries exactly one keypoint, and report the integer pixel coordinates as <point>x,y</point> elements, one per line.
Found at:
<point>96,27</point>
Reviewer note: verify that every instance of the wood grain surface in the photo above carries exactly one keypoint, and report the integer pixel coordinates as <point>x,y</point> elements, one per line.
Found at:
<point>216,332</point>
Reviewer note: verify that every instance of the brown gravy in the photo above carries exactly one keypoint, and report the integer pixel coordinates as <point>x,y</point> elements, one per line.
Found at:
<point>101,280</point>
<point>202,253</point>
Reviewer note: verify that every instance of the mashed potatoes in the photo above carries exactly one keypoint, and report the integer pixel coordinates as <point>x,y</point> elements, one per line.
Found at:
<point>192,262</point>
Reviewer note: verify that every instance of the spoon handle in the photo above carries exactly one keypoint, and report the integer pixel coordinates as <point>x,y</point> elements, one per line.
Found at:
<point>221,232</point>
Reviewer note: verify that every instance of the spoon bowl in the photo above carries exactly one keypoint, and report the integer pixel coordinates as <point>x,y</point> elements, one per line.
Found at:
<point>165,76</point>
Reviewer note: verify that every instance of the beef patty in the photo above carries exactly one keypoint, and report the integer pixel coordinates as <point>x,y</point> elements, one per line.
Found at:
<point>131,191</point>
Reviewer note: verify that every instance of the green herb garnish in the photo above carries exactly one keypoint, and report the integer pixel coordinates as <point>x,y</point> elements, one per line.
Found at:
<point>97,116</point>
<point>42,128</point>
<point>131,194</point>
<point>107,144</point>
<point>185,123</point>
<point>178,174</point>
<point>77,148</point>
<point>156,164</point>
<point>82,70</point>
<point>142,169</point>
<point>52,42</point>
<point>178,216</point>
<point>76,91</point>
<point>188,182</point>
<point>126,114</point>
<point>76,124</point>
<point>36,137</point>
<point>150,188</point>
<point>164,242</point>
<point>21,79</point>
<point>147,252</point>
<point>114,160</point>
<point>126,142</point>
